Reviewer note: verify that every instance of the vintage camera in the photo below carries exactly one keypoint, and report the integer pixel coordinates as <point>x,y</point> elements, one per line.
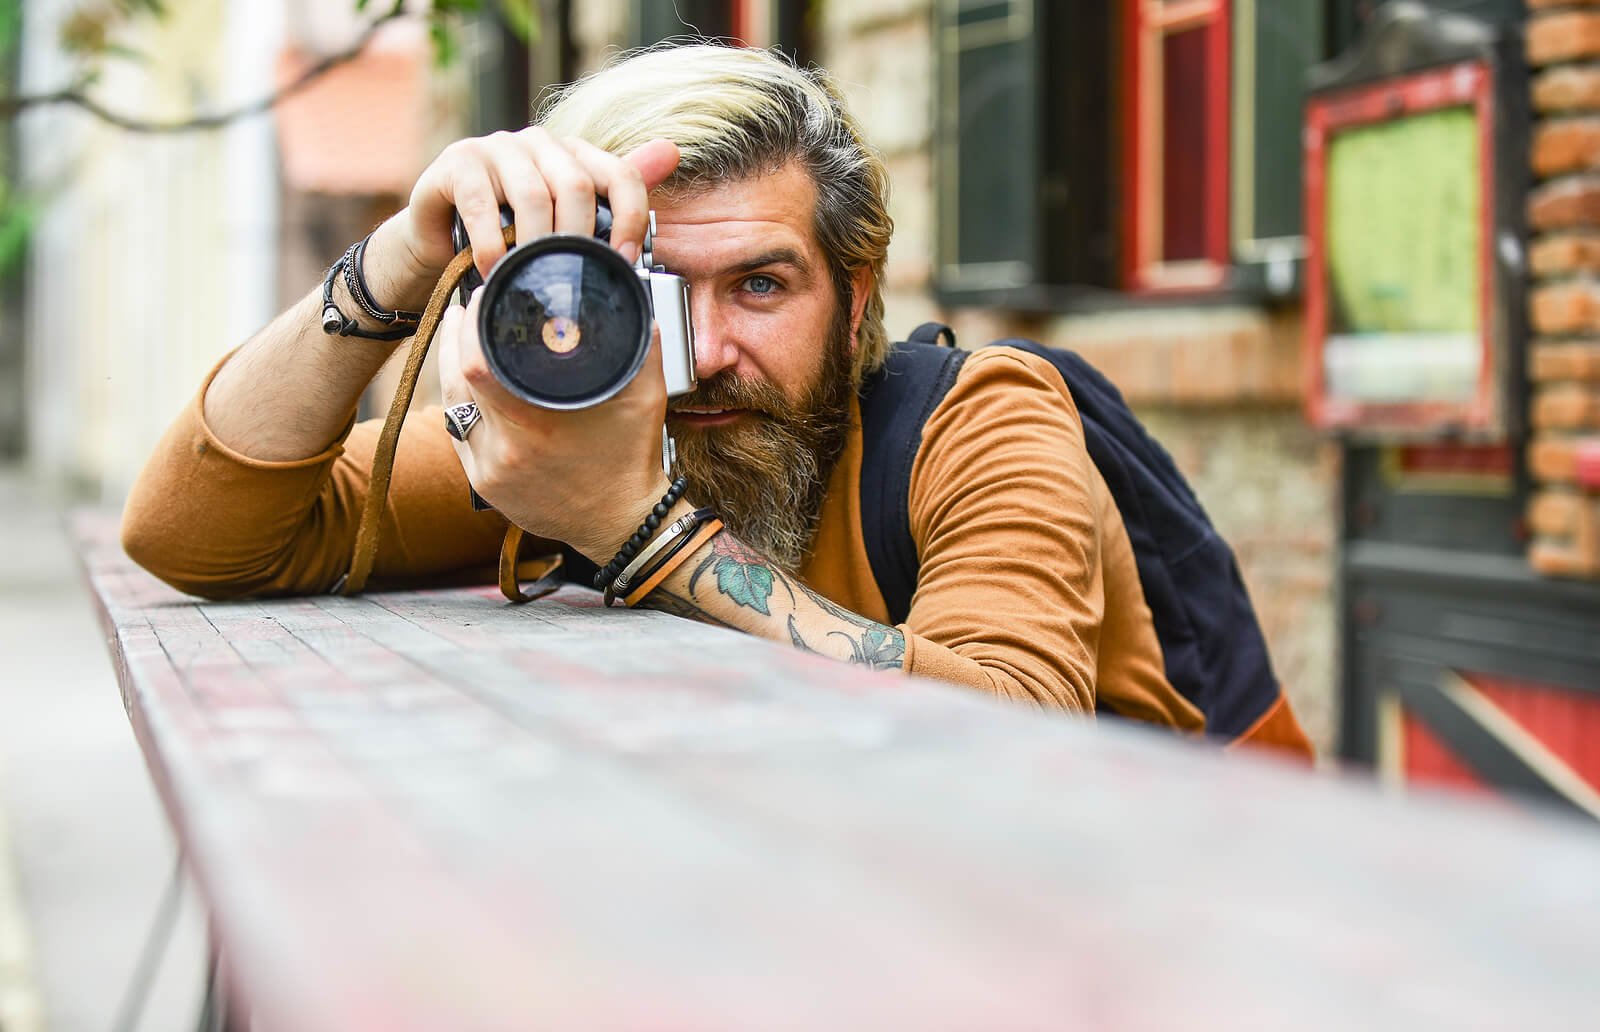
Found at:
<point>565,321</point>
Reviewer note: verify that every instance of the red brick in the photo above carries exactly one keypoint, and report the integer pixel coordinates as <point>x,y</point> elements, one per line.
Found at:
<point>1554,513</point>
<point>1565,253</point>
<point>1569,203</point>
<point>1536,5</point>
<point>1565,307</point>
<point>1563,35</point>
<point>1558,559</point>
<point>1566,406</point>
<point>1569,88</point>
<point>1566,145</point>
<point>1170,358</point>
<point>1565,360</point>
<point>1553,458</point>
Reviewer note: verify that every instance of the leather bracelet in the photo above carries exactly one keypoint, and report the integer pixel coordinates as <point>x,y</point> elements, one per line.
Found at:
<point>679,555</point>
<point>356,279</point>
<point>334,321</point>
<point>681,527</point>
<point>661,561</point>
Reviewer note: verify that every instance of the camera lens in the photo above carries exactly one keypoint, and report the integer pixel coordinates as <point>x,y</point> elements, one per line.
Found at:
<point>565,322</point>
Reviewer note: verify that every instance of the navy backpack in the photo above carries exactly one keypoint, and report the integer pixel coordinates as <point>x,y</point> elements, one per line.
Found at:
<point>1215,653</point>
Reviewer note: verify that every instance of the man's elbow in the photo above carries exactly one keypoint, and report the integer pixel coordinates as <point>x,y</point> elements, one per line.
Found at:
<point>165,549</point>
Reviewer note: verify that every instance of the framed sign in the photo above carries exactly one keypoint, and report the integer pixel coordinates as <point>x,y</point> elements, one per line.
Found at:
<point>1413,292</point>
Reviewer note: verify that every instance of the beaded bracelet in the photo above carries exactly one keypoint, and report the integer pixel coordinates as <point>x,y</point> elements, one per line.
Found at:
<point>631,547</point>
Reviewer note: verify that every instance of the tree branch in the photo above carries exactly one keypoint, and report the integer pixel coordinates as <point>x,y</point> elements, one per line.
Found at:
<point>14,105</point>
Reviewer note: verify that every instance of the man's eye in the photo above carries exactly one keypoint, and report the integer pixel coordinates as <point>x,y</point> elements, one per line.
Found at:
<point>761,284</point>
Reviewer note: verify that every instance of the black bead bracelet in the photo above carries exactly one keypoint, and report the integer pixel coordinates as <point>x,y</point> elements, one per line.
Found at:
<point>641,536</point>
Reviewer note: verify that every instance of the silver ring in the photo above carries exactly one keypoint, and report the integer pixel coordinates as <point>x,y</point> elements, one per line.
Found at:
<point>460,419</point>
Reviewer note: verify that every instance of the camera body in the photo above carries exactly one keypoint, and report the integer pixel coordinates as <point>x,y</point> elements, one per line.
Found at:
<point>564,320</point>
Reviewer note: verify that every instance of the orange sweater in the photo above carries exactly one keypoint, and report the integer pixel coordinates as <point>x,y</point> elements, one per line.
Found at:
<point>1027,585</point>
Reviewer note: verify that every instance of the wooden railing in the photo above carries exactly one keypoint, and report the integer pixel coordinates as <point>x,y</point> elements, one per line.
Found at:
<point>433,810</point>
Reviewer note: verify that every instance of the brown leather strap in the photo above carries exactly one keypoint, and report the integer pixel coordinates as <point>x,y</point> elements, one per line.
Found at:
<point>367,531</point>
<point>544,573</point>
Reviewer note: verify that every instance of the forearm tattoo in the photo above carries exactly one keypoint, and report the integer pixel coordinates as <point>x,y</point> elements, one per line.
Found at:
<point>733,571</point>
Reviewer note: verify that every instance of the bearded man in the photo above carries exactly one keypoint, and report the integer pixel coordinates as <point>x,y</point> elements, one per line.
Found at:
<point>771,204</point>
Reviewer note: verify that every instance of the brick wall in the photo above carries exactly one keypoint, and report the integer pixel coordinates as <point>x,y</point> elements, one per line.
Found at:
<point>1564,358</point>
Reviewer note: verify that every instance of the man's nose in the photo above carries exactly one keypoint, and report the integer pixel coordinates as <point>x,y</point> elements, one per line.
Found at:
<point>715,347</point>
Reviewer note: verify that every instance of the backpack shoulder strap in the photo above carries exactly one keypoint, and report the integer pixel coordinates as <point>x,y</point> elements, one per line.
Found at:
<point>933,333</point>
<point>896,402</point>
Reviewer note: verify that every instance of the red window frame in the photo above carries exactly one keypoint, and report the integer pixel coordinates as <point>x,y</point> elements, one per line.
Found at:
<point>1467,83</point>
<point>752,22</point>
<point>1147,24</point>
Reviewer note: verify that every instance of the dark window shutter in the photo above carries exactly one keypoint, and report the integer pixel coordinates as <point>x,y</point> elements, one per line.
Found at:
<point>1022,149</point>
<point>1276,41</point>
<point>656,20</point>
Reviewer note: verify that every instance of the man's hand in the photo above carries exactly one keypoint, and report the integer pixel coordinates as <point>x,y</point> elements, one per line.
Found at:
<point>586,477</point>
<point>550,184</point>
<point>292,388</point>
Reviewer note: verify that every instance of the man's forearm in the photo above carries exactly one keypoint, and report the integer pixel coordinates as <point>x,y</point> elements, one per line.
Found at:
<point>730,584</point>
<point>292,388</point>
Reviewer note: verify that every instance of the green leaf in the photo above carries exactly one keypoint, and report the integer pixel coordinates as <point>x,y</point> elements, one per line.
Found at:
<point>126,53</point>
<point>748,584</point>
<point>17,219</point>
<point>879,647</point>
<point>10,24</point>
<point>521,18</point>
<point>444,44</point>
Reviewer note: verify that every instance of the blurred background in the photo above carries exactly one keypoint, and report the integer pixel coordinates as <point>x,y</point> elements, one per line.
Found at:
<point>1340,255</point>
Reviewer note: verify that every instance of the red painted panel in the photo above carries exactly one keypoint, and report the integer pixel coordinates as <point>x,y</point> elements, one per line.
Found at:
<point>1176,125</point>
<point>1454,459</point>
<point>1564,721</point>
<point>1589,464</point>
<point>1187,141</point>
<point>1427,760</point>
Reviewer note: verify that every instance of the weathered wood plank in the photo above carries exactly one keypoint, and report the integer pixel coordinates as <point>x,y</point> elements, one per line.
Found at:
<point>421,810</point>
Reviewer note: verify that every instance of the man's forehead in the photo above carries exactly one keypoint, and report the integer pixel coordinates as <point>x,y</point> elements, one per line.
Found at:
<point>766,211</point>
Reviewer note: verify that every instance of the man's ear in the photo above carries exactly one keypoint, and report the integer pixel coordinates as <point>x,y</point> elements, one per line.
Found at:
<point>861,283</point>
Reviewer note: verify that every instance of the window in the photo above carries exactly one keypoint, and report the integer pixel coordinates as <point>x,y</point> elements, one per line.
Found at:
<point>785,24</point>
<point>1023,145</point>
<point>1275,43</point>
<point>1150,146</point>
<point>1175,136</point>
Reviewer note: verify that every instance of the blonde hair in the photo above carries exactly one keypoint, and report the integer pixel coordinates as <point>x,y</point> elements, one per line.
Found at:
<point>736,112</point>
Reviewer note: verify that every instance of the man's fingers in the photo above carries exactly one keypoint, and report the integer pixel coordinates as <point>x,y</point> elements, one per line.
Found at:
<point>569,184</point>
<point>452,388</point>
<point>624,188</point>
<point>476,201</point>
<point>522,186</point>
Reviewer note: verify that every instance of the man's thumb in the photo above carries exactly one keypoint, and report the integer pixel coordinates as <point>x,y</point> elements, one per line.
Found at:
<point>655,161</point>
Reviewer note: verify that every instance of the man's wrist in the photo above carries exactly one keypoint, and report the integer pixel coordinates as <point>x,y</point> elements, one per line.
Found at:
<point>610,536</point>
<point>396,280</point>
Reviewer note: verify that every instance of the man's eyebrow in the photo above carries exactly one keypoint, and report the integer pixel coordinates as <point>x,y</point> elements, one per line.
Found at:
<point>778,256</point>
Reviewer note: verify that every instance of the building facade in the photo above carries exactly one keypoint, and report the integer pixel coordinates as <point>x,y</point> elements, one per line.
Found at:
<point>1128,179</point>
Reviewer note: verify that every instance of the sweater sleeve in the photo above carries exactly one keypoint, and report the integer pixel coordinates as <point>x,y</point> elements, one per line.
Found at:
<point>215,523</point>
<point>1005,512</point>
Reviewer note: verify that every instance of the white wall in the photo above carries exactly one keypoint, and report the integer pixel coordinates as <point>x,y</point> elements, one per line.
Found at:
<point>156,252</point>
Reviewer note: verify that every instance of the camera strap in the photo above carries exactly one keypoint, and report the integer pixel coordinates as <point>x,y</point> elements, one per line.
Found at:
<point>369,527</point>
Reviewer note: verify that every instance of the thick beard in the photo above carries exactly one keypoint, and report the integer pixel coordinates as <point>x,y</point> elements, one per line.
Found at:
<point>766,478</point>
